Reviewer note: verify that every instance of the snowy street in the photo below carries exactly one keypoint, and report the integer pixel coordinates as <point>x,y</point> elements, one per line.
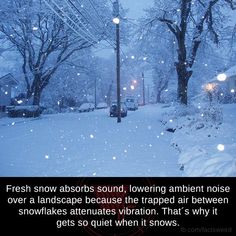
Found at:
<point>88,144</point>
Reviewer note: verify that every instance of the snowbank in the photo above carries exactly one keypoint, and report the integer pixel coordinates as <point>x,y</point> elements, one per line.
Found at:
<point>205,139</point>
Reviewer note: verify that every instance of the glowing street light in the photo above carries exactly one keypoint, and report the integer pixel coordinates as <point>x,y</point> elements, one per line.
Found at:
<point>132,87</point>
<point>116,20</point>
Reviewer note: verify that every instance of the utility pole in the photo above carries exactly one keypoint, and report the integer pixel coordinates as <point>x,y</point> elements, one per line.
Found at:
<point>148,93</point>
<point>143,89</point>
<point>116,21</point>
<point>95,92</point>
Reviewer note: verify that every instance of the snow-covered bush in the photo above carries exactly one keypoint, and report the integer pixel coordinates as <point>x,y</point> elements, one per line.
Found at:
<point>49,111</point>
<point>213,113</point>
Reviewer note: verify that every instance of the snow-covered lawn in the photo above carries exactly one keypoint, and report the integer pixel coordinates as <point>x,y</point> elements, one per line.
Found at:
<point>88,144</point>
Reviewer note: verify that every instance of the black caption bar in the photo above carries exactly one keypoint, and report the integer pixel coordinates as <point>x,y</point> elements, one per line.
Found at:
<point>118,206</point>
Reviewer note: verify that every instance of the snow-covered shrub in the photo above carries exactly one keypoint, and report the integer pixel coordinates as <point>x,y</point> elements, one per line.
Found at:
<point>49,111</point>
<point>213,113</point>
<point>175,113</point>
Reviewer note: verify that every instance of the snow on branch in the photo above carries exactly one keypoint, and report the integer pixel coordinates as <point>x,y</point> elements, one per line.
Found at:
<point>232,4</point>
<point>207,15</point>
<point>171,25</point>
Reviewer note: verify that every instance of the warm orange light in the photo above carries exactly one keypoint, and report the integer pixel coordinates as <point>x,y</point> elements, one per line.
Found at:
<point>210,87</point>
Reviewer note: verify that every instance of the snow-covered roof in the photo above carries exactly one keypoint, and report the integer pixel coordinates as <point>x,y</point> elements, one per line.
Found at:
<point>8,79</point>
<point>231,72</point>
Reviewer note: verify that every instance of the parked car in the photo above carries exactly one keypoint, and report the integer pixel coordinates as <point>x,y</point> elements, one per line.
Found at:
<point>101,105</point>
<point>24,111</point>
<point>86,107</point>
<point>114,110</point>
<point>131,103</point>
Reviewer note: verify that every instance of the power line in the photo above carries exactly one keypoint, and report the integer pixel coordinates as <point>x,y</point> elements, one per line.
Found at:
<point>101,20</point>
<point>91,19</point>
<point>84,16</point>
<point>87,39</point>
<point>80,21</point>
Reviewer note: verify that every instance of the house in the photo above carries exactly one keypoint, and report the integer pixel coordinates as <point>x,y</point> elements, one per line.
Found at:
<point>226,79</point>
<point>7,84</point>
<point>231,79</point>
<point>223,86</point>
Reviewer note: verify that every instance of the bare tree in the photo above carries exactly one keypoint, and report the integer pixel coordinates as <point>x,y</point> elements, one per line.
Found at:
<point>188,23</point>
<point>43,41</point>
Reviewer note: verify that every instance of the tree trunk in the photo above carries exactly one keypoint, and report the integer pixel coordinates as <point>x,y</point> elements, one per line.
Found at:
<point>183,78</point>
<point>37,91</point>
<point>158,96</point>
<point>182,90</point>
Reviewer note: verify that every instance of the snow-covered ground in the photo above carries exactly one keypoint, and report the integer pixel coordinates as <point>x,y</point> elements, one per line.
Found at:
<point>93,144</point>
<point>205,139</point>
<point>88,144</point>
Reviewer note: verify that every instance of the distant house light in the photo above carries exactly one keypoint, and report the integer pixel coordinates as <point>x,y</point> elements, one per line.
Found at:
<point>221,77</point>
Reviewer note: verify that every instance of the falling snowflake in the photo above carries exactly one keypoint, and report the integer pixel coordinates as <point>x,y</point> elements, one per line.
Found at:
<point>171,121</point>
<point>132,57</point>
<point>13,123</point>
<point>94,174</point>
<point>64,148</point>
<point>46,156</point>
<point>162,133</point>
<point>221,147</point>
<point>125,151</point>
<point>114,158</point>
<point>149,127</point>
<point>91,136</point>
